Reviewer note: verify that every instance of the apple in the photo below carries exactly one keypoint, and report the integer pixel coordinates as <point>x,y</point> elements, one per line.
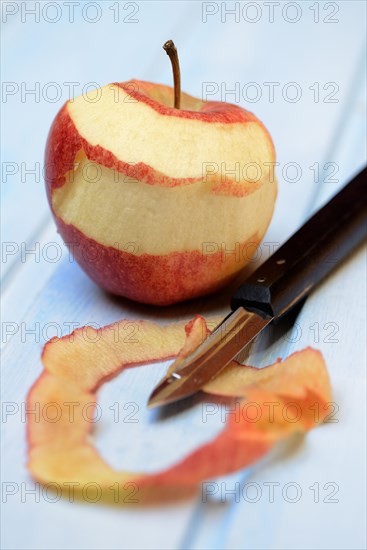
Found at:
<point>159,203</point>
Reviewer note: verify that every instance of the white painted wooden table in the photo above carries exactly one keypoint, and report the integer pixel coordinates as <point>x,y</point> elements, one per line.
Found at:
<point>311,54</point>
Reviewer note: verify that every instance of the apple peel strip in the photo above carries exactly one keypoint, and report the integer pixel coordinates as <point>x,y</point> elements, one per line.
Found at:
<point>61,453</point>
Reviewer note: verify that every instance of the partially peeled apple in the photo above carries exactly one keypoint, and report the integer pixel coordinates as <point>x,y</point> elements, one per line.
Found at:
<point>161,197</point>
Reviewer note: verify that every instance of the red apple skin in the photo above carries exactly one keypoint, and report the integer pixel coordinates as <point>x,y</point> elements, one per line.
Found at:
<point>151,279</point>
<point>64,141</point>
<point>210,111</point>
<point>140,277</point>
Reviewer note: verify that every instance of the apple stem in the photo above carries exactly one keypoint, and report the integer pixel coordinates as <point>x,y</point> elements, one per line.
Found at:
<point>171,51</point>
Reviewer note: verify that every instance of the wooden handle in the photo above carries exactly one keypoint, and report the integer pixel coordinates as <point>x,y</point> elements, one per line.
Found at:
<point>309,255</point>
